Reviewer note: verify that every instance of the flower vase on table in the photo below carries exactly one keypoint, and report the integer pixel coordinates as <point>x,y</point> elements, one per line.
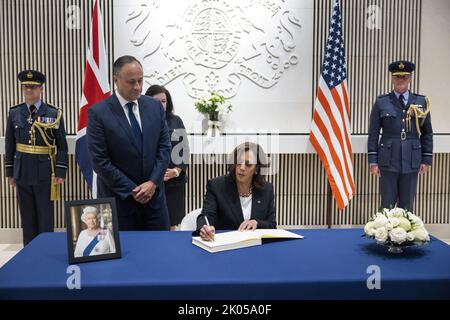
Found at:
<point>396,229</point>
<point>213,106</point>
<point>213,125</point>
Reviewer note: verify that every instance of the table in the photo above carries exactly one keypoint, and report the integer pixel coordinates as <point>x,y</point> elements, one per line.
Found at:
<point>326,264</point>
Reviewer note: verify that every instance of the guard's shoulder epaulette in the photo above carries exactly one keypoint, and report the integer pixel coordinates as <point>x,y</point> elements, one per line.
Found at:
<point>13,107</point>
<point>52,106</point>
<point>419,95</point>
<point>383,96</point>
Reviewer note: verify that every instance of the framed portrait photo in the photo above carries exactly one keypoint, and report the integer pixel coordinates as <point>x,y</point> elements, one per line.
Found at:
<point>92,230</point>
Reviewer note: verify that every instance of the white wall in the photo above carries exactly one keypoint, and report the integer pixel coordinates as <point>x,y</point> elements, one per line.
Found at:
<point>435,61</point>
<point>195,46</point>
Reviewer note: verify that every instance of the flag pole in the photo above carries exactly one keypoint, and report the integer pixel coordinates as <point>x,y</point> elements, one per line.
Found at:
<point>330,128</point>
<point>329,204</point>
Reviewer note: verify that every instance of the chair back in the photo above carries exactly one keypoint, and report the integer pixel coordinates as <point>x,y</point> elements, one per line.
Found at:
<point>189,222</point>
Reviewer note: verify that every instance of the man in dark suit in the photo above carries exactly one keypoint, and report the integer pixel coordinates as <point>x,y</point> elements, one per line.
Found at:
<point>129,147</point>
<point>35,155</point>
<point>406,144</point>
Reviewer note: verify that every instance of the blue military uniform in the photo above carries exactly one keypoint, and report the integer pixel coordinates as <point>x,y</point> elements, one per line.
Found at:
<point>402,148</point>
<point>31,162</point>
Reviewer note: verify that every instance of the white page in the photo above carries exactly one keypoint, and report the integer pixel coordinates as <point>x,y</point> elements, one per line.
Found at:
<point>276,233</point>
<point>231,237</point>
<point>226,238</point>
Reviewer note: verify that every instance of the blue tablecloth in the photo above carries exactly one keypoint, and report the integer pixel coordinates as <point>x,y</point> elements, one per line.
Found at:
<point>326,264</point>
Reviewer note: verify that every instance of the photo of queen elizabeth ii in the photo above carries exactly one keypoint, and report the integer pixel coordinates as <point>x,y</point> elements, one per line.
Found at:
<point>95,238</point>
<point>92,230</point>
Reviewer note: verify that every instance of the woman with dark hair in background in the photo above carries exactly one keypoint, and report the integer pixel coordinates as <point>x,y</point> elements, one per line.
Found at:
<point>175,178</point>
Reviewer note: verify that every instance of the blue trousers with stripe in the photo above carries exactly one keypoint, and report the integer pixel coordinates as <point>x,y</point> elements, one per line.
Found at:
<point>398,189</point>
<point>36,210</point>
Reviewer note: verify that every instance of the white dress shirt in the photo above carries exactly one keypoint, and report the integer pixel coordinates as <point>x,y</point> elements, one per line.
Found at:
<point>246,205</point>
<point>123,103</point>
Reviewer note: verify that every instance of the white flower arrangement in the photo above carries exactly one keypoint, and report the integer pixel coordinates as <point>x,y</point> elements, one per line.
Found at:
<point>214,105</point>
<point>396,227</point>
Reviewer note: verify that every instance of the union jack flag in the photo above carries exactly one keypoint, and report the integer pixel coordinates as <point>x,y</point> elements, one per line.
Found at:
<point>95,88</point>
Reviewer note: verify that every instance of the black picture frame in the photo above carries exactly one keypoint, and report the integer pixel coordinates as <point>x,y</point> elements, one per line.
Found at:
<point>92,235</point>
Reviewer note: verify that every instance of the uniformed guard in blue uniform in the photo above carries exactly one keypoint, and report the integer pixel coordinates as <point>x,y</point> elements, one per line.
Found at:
<point>406,144</point>
<point>36,155</point>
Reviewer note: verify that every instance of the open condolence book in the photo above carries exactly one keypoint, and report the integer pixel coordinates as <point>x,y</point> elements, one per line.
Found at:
<point>241,239</point>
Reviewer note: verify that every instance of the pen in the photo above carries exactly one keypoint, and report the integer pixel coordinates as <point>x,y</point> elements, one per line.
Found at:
<point>209,226</point>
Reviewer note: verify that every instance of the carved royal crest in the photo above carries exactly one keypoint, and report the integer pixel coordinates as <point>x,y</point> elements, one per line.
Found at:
<point>216,45</point>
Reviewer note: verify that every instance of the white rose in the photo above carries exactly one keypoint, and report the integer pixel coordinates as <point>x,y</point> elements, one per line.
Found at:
<point>380,221</point>
<point>398,212</point>
<point>389,226</point>
<point>390,214</point>
<point>409,236</point>
<point>368,228</point>
<point>381,234</point>
<point>398,235</point>
<point>421,235</point>
<point>417,225</point>
<point>394,221</point>
<point>404,224</point>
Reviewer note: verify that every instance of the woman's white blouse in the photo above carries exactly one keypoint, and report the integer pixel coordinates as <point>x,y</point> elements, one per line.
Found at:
<point>246,205</point>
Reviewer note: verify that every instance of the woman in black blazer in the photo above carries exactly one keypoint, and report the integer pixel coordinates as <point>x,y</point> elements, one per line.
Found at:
<point>175,177</point>
<point>242,199</point>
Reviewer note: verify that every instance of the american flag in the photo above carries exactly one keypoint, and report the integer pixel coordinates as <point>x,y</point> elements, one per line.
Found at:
<point>95,88</point>
<point>330,129</point>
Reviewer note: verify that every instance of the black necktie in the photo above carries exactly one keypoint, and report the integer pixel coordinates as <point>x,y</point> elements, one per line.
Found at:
<point>32,109</point>
<point>402,101</point>
<point>134,124</point>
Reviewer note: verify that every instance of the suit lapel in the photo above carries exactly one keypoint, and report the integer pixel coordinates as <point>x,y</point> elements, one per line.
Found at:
<point>145,125</point>
<point>42,109</point>
<point>235,204</point>
<point>411,100</point>
<point>122,119</point>
<point>256,201</point>
<point>394,100</point>
<point>25,111</point>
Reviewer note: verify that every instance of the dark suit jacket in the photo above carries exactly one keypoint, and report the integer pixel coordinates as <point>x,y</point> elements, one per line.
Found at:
<point>390,152</point>
<point>223,208</point>
<point>116,157</point>
<point>33,169</point>
<point>180,149</point>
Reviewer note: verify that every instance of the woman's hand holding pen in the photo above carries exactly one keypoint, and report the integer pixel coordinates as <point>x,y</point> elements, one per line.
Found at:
<point>207,231</point>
